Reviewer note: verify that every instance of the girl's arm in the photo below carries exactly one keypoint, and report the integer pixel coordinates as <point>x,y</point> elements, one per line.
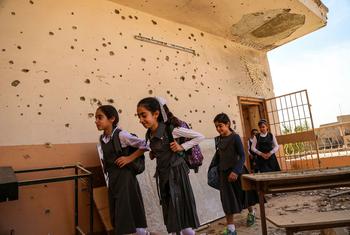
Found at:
<point>194,136</point>
<point>126,139</point>
<point>254,147</point>
<point>238,169</point>
<point>275,145</point>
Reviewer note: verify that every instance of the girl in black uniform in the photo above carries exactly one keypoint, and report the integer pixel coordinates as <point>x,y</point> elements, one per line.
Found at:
<point>231,166</point>
<point>175,191</point>
<point>265,146</point>
<point>125,200</point>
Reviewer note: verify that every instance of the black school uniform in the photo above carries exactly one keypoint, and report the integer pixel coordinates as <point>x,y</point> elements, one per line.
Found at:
<point>265,145</point>
<point>174,187</point>
<point>125,199</point>
<point>231,159</point>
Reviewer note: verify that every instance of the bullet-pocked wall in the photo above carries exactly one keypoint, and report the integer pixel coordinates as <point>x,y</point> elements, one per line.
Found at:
<point>59,60</point>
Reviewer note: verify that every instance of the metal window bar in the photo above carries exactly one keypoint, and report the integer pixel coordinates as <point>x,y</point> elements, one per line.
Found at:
<point>290,116</point>
<point>79,173</point>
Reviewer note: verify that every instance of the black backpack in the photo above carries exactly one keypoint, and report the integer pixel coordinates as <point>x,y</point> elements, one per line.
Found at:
<point>138,165</point>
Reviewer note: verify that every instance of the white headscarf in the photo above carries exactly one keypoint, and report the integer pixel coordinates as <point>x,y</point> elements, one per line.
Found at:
<point>162,102</point>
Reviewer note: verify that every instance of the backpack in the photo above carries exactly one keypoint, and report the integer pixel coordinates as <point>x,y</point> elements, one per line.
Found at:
<point>193,156</point>
<point>213,170</point>
<point>138,165</point>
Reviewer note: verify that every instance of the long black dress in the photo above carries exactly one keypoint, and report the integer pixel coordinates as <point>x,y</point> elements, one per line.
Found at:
<point>265,145</point>
<point>125,199</point>
<point>174,187</point>
<point>231,159</point>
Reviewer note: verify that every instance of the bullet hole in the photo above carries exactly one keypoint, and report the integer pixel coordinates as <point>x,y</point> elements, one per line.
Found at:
<point>116,11</point>
<point>40,105</point>
<point>194,39</point>
<point>143,59</point>
<point>179,29</point>
<point>39,113</point>
<point>176,64</point>
<point>120,111</point>
<point>59,28</point>
<point>34,62</point>
<point>11,62</point>
<point>190,111</point>
<point>193,77</point>
<point>121,75</point>
<point>200,121</point>
<point>3,49</point>
<point>31,2</point>
<point>87,81</point>
<point>123,17</point>
<point>74,27</point>
<point>15,83</point>
<point>192,35</point>
<point>154,22</point>
<point>75,40</point>
<point>19,47</point>
<point>196,90</point>
<point>104,44</point>
<point>202,34</point>
<point>82,98</point>
<point>26,156</point>
<point>66,125</point>
<point>189,37</point>
<point>121,34</point>
<point>72,13</point>
<point>51,33</point>
<point>111,53</point>
<point>13,13</point>
<point>265,75</point>
<point>46,81</point>
<point>167,58</point>
<point>176,98</point>
<point>99,103</point>
<point>136,18</point>
<point>189,95</point>
<point>25,70</point>
<point>182,78</point>
<point>95,59</point>
<point>82,50</point>
<point>225,46</point>
<point>130,16</point>
<point>125,47</point>
<point>168,92</point>
<point>47,211</point>
<point>41,96</point>
<point>150,92</point>
<point>91,115</point>
<point>203,111</point>
<point>141,45</point>
<point>111,101</point>
<point>109,43</point>
<point>72,47</point>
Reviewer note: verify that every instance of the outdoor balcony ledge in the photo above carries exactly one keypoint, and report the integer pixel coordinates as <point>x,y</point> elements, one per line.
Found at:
<point>262,25</point>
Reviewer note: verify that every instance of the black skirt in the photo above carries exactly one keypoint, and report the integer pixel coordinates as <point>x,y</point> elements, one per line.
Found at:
<point>125,202</point>
<point>233,198</point>
<point>267,165</point>
<point>177,199</point>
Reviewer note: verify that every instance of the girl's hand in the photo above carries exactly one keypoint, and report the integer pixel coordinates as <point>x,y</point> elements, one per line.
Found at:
<point>232,177</point>
<point>268,155</point>
<point>123,161</point>
<point>175,147</point>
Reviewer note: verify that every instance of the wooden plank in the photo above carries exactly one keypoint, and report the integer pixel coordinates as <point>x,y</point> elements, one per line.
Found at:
<point>102,206</point>
<point>311,219</point>
<point>298,174</point>
<point>296,137</point>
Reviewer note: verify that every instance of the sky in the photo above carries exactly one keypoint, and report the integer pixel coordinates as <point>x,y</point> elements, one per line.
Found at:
<point>320,63</point>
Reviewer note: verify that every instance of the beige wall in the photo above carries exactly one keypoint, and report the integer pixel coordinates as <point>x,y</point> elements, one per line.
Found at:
<point>48,50</point>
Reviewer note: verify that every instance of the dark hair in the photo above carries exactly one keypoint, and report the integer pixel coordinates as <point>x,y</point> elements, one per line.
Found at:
<point>262,121</point>
<point>253,130</point>
<point>223,118</point>
<point>153,105</point>
<point>110,112</point>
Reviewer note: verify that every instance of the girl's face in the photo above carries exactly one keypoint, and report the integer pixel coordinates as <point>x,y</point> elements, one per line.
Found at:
<point>222,128</point>
<point>102,122</point>
<point>263,128</point>
<point>147,118</point>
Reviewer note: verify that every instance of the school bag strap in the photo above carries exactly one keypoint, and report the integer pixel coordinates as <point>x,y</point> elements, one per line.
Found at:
<point>117,146</point>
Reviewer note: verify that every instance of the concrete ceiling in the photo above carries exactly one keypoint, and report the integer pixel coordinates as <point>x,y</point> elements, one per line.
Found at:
<point>262,25</point>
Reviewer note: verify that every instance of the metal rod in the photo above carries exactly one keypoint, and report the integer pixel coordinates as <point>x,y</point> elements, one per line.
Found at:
<point>45,169</point>
<point>76,198</point>
<point>50,180</point>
